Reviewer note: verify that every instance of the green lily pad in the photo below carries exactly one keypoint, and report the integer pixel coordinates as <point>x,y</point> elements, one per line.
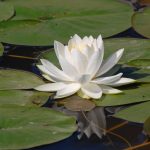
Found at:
<point>17,79</point>
<point>138,113</point>
<point>140,63</point>
<point>6,11</point>
<point>51,56</point>
<point>131,94</point>
<point>63,19</point>
<point>141,22</point>
<point>26,127</point>
<point>147,126</point>
<point>141,75</point>
<point>133,48</point>
<point>23,97</point>
<point>139,70</point>
<point>57,8</point>
<point>1,49</point>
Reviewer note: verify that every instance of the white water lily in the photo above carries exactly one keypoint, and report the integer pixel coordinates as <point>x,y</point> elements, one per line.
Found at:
<point>82,69</point>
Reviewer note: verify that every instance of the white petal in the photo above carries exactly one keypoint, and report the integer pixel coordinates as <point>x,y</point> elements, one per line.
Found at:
<point>43,69</point>
<point>100,42</point>
<point>54,71</point>
<point>110,62</point>
<point>74,42</point>
<point>76,39</point>
<point>107,80</point>
<point>51,87</point>
<point>84,79</point>
<point>59,49</point>
<point>68,68</point>
<point>109,90</point>
<point>92,90</point>
<point>122,81</point>
<point>68,55</point>
<point>91,39</point>
<point>48,77</point>
<point>89,50</point>
<point>80,60</point>
<point>94,62</point>
<point>70,89</point>
<point>86,40</point>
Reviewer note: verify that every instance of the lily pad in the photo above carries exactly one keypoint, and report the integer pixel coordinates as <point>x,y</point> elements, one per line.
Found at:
<point>26,127</point>
<point>138,113</point>
<point>147,126</point>
<point>140,63</point>
<point>17,79</point>
<point>141,22</point>
<point>76,103</point>
<point>23,97</point>
<point>1,49</point>
<point>64,19</point>
<point>6,11</point>
<point>133,48</point>
<point>131,94</point>
<point>139,72</point>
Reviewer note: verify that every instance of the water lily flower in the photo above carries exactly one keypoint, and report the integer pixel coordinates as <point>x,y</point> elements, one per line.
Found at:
<point>83,69</point>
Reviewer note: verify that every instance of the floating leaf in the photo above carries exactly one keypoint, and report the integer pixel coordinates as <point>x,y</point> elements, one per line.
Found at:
<point>1,49</point>
<point>6,11</point>
<point>26,127</point>
<point>140,63</point>
<point>76,103</point>
<point>17,79</point>
<point>138,113</point>
<point>141,22</point>
<point>131,94</point>
<point>134,48</point>
<point>141,74</point>
<point>147,126</point>
<point>23,97</point>
<point>64,19</point>
<point>51,56</point>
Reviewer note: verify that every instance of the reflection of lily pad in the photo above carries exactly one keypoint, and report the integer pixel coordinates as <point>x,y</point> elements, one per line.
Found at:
<point>26,127</point>
<point>144,2</point>
<point>141,22</point>
<point>6,11</point>
<point>1,49</point>
<point>62,19</point>
<point>76,103</point>
<point>147,126</point>
<point>23,98</point>
<point>138,113</point>
<point>131,94</point>
<point>17,79</point>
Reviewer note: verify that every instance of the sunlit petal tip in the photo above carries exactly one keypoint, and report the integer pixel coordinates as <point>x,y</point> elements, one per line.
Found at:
<point>120,52</point>
<point>77,37</point>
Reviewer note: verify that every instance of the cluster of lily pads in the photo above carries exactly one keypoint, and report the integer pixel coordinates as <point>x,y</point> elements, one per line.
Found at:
<point>23,122</point>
